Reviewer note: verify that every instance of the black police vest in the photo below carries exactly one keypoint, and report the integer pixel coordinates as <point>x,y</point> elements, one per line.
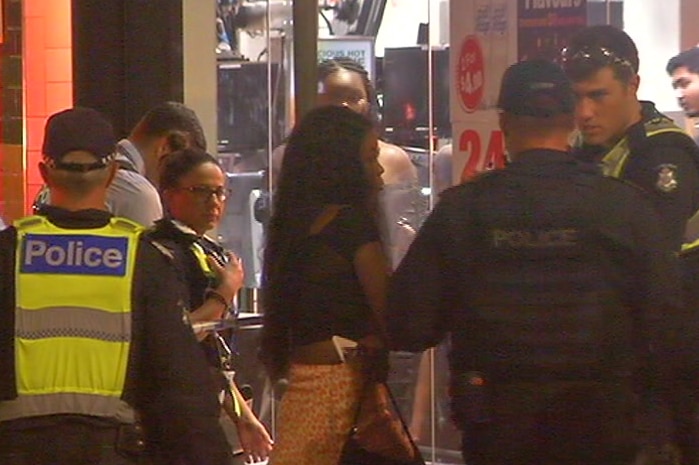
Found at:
<point>540,305</point>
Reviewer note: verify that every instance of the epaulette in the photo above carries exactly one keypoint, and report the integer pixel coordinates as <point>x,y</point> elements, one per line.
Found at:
<point>634,186</point>
<point>29,221</point>
<point>126,224</point>
<point>162,249</point>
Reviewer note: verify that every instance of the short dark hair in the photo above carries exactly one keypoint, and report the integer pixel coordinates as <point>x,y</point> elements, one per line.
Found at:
<point>172,118</point>
<point>177,164</point>
<point>689,59</point>
<point>618,51</point>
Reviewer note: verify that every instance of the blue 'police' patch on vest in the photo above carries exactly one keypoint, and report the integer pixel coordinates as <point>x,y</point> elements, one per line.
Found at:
<point>74,254</point>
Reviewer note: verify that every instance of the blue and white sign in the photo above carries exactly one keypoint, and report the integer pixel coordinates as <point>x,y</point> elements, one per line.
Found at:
<point>74,254</point>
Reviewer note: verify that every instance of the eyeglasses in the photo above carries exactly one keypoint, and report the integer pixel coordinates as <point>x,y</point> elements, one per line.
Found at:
<point>204,193</point>
<point>599,55</point>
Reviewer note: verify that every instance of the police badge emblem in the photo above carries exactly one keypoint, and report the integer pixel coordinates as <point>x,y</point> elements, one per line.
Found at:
<point>667,178</point>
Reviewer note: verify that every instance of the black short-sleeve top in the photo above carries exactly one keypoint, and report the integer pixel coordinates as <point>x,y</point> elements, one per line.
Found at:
<point>328,299</point>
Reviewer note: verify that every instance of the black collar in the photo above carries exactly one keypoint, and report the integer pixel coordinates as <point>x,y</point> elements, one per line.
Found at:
<point>80,219</point>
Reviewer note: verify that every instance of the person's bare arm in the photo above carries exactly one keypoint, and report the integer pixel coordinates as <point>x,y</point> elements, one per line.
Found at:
<point>254,438</point>
<point>371,267</point>
<point>398,169</point>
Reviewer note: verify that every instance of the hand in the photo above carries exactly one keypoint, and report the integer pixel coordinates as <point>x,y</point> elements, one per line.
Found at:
<point>374,357</point>
<point>254,439</point>
<point>230,276</point>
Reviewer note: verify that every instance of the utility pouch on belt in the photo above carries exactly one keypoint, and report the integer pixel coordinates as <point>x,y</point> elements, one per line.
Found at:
<point>470,398</point>
<point>130,440</point>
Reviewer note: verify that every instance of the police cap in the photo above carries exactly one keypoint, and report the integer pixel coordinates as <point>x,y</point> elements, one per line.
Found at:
<point>537,88</point>
<point>78,128</point>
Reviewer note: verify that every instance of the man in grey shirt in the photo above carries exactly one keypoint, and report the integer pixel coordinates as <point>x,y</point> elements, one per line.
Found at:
<point>165,128</point>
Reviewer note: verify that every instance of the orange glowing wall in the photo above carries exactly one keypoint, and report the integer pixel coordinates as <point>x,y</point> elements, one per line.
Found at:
<point>48,76</point>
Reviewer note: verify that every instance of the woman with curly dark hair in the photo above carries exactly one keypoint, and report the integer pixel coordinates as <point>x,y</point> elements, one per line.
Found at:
<point>325,275</point>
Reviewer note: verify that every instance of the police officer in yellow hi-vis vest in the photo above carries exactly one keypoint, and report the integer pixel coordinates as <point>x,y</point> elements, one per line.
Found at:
<point>100,364</point>
<point>629,138</point>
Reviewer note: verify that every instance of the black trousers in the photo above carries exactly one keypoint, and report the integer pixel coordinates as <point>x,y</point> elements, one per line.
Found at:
<point>554,424</point>
<point>58,441</point>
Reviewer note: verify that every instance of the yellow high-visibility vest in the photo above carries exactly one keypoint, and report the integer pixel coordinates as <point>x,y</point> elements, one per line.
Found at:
<point>73,319</point>
<point>615,160</point>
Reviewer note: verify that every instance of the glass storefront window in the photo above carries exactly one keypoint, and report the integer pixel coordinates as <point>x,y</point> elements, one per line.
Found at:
<point>404,48</point>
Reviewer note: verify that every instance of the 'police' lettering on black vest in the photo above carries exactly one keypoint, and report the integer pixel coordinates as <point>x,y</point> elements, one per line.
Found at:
<point>74,254</point>
<point>528,239</point>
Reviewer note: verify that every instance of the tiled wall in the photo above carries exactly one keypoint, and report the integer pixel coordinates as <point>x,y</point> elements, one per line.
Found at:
<point>36,81</point>
<point>11,130</point>
<point>48,76</point>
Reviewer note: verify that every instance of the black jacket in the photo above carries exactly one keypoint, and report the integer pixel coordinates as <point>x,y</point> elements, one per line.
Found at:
<point>542,234</point>
<point>167,378</point>
<point>647,158</point>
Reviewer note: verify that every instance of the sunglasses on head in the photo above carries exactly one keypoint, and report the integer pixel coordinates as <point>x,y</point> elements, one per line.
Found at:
<point>595,55</point>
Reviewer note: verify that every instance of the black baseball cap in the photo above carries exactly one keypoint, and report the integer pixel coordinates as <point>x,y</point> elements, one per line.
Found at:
<point>79,128</point>
<point>537,88</point>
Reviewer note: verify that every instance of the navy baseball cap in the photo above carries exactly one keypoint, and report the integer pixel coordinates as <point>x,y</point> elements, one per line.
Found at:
<point>537,88</point>
<point>79,128</point>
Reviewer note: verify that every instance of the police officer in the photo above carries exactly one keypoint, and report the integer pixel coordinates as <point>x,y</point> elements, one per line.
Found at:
<point>193,188</point>
<point>93,328</point>
<point>630,139</point>
<point>551,281</point>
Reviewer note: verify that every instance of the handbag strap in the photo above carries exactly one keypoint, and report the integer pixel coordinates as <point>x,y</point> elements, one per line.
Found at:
<point>362,397</point>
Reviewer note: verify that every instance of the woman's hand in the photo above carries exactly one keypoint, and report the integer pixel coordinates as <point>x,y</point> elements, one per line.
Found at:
<point>230,276</point>
<point>254,439</point>
<point>374,358</point>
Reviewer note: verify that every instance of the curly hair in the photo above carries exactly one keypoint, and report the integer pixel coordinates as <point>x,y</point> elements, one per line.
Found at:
<point>322,166</point>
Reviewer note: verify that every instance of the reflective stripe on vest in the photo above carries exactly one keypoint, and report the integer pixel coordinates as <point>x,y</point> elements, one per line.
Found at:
<point>73,319</point>
<point>615,160</point>
<point>201,255</point>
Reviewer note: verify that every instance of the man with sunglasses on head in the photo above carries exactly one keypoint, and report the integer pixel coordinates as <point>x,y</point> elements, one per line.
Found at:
<point>628,138</point>
<point>631,140</point>
<point>93,326</point>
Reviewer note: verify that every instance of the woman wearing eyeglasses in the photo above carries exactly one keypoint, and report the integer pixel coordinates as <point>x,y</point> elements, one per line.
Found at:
<point>192,186</point>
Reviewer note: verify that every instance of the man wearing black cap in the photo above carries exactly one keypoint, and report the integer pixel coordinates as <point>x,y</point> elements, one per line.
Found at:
<point>630,139</point>
<point>547,277</point>
<point>93,328</point>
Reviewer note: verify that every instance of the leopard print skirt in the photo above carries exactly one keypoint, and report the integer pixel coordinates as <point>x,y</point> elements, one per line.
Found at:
<point>316,414</point>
